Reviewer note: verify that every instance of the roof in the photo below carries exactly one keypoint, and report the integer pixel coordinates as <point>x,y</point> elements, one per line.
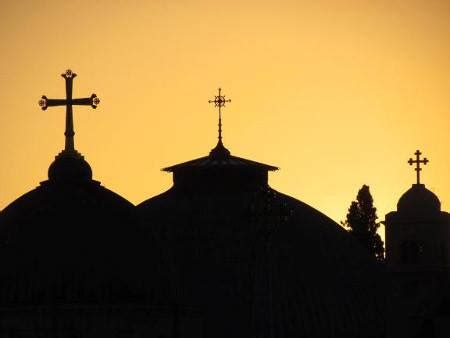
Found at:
<point>220,157</point>
<point>419,199</point>
<point>208,162</point>
<point>280,259</point>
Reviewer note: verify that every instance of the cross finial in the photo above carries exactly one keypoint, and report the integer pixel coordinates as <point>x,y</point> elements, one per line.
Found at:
<point>418,161</point>
<point>219,102</point>
<point>92,101</point>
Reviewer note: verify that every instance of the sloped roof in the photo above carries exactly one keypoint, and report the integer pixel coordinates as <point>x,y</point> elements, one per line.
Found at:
<point>231,161</point>
<point>220,157</point>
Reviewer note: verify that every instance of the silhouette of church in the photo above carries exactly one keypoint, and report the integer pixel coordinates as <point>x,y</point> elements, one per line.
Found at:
<point>74,260</point>
<point>219,254</point>
<point>418,257</point>
<point>259,263</point>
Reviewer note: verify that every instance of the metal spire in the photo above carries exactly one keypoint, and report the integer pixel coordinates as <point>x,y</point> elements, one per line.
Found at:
<point>418,161</point>
<point>92,101</point>
<point>219,101</point>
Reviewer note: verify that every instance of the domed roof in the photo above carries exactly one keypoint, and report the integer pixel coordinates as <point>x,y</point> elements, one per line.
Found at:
<point>259,263</point>
<point>74,234</point>
<point>419,199</point>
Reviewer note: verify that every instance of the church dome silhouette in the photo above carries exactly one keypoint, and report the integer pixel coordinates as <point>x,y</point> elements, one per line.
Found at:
<point>259,263</point>
<point>70,239</point>
<point>419,199</point>
<point>77,238</point>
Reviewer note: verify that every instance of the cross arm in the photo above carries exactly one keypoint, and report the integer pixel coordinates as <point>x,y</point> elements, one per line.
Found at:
<point>92,101</point>
<point>45,102</point>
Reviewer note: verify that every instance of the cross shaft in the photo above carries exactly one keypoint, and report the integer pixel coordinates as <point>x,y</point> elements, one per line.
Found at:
<point>417,162</point>
<point>219,102</point>
<point>92,101</point>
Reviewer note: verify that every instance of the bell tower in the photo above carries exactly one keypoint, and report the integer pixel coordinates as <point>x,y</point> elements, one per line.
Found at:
<point>418,257</point>
<point>417,234</point>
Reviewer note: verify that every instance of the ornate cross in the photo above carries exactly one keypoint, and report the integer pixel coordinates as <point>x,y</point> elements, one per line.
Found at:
<point>92,101</point>
<point>418,161</point>
<point>219,101</point>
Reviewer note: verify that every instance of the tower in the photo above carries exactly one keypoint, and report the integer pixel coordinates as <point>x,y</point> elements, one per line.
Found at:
<point>418,257</point>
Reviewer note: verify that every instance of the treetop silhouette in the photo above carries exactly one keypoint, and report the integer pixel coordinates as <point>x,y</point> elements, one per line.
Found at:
<point>362,223</point>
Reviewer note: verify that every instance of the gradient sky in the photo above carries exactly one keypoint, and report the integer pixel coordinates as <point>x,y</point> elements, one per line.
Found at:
<point>336,93</point>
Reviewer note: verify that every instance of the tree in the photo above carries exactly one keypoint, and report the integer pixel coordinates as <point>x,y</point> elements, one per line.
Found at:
<point>362,223</point>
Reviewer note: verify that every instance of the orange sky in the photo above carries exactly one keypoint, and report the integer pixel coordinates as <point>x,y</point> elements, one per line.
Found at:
<point>336,93</point>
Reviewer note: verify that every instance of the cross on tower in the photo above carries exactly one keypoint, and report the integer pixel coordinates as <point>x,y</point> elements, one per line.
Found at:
<point>418,161</point>
<point>92,101</point>
<point>219,101</point>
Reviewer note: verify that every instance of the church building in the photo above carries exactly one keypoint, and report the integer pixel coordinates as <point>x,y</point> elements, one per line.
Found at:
<point>256,262</point>
<point>220,254</point>
<point>418,258</point>
<point>75,262</point>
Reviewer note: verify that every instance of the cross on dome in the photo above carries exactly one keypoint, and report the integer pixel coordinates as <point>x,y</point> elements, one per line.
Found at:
<point>417,162</point>
<point>219,102</point>
<point>92,101</point>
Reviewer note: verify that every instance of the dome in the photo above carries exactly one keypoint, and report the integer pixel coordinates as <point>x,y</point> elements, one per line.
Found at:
<point>259,263</point>
<point>419,199</point>
<point>69,166</point>
<point>74,260</point>
<point>71,240</point>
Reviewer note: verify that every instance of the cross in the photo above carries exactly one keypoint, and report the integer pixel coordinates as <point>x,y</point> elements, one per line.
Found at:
<point>92,101</point>
<point>418,161</point>
<point>219,101</point>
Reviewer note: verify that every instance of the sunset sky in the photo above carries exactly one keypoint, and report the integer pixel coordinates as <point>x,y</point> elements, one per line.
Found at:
<point>336,93</point>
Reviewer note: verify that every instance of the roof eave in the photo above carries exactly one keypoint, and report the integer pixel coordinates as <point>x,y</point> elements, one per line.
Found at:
<point>189,163</point>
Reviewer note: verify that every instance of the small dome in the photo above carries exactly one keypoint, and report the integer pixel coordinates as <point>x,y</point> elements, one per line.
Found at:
<point>69,166</point>
<point>419,199</point>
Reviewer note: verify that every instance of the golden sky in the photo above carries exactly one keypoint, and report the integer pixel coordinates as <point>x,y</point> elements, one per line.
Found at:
<point>336,93</point>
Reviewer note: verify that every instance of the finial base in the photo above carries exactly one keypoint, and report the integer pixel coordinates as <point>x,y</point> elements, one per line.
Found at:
<point>219,151</point>
<point>69,166</point>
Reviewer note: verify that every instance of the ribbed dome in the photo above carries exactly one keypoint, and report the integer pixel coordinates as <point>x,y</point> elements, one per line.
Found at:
<point>259,263</point>
<point>71,240</point>
<point>419,199</point>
